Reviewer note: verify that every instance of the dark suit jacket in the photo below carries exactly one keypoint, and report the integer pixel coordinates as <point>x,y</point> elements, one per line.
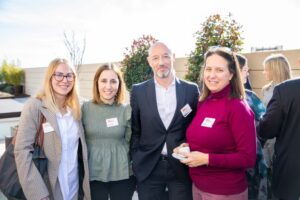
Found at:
<point>149,133</point>
<point>282,120</point>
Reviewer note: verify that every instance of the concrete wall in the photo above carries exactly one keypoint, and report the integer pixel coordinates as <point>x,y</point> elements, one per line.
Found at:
<point>34,76</point>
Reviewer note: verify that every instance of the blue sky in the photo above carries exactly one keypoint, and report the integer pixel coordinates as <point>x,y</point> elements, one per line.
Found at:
<point>32,31</point>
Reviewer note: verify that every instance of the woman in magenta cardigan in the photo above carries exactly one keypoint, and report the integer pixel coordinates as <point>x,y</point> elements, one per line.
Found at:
<point>222,135</point>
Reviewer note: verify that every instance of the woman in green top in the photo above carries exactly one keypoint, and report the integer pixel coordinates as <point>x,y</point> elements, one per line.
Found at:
<point>106,121</point>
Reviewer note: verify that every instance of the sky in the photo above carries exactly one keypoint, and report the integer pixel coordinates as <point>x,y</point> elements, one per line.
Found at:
<point>31,32</point>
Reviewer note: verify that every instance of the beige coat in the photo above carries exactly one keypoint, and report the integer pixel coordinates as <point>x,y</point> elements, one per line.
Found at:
<point>32,183</point>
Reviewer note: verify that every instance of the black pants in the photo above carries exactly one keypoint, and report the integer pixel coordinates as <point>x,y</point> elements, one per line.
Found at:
<point>114,190</point>
<point>162,178</point>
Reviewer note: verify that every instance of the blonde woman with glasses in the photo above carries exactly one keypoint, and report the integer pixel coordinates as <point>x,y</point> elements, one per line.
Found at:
<point>64,142</point>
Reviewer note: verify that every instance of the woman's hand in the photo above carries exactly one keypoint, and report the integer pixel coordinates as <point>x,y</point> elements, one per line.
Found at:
<point>195,159</point>
<point>176,150</point>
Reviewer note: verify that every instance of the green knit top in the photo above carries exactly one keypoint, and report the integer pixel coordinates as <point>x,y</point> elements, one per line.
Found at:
<point>107,131</point>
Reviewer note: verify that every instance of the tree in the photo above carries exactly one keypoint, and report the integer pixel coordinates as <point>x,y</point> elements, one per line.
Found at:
<point>135,65</point>
<point>76,49</point>
<point>215,31</point>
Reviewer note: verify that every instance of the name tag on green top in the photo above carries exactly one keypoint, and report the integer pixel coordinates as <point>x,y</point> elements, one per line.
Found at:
<point>112,122</point>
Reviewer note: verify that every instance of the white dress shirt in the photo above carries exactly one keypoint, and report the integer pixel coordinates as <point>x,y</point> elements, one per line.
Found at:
<point>166,105</point>
<point>68,168</point>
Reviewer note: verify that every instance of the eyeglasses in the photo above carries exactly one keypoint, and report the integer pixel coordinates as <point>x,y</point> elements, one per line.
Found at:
<point>58,76</point>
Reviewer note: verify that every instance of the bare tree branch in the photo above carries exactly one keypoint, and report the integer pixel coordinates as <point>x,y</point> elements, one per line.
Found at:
<point>75,48</point>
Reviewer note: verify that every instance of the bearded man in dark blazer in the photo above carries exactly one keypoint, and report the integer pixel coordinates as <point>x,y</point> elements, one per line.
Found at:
<point>162,109</point>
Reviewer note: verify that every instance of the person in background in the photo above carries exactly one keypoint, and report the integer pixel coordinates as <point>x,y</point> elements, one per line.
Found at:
<point>247,84</point>
<point>222,136</point>
<point>276,70</point>
<point>64,141</point>
<point>107,124</point>
<point>257,176</point>
<point>282,122</point>
<point>162,108</point>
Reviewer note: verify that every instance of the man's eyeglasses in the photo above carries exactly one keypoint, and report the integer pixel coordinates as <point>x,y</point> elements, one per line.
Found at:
<point>58,76</point>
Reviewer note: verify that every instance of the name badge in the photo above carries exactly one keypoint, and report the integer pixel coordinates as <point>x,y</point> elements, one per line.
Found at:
<point>112,122</point>
<point>208,122</point>
<point>186,110</point>
<point>47,128</point>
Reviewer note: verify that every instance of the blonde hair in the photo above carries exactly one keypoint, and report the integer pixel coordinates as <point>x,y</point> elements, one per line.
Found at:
<point>47,94</point>
<point>237,87</point>
<point>120,96</point>
<point>278,67</point>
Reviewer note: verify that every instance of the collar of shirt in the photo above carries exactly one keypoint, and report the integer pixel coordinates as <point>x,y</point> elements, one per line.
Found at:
<point>67,114</point>
<point>161,87</point>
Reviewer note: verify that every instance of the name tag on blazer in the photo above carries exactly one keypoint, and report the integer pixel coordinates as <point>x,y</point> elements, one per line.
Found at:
<point>186,110</point>
<point>112,122</point>
<point>47,128</point>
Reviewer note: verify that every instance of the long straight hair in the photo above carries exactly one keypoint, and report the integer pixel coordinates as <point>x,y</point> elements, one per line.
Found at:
<point>278,67</point>
<point>47,94</point>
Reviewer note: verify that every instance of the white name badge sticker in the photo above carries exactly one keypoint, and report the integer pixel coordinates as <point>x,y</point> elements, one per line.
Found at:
<point>47,128</point>
<point>112,122</point>
<point>186,110</point>
<point>208,122</point>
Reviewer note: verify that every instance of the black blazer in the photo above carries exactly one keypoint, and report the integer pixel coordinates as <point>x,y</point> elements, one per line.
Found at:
<point>149,133</point>
<point>282,120</point>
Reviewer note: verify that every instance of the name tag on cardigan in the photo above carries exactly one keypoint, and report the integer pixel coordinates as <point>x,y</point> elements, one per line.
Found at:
<point>208,122</point>
<point>112,122</point>
<point>47,128</point>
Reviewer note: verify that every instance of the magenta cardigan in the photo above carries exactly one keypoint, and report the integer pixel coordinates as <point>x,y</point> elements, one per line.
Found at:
<point>224,128</point>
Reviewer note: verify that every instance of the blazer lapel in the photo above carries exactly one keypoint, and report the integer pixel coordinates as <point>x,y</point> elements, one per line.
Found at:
<point>51,118</point>
<point>151,96</point>
<point>180,96</point>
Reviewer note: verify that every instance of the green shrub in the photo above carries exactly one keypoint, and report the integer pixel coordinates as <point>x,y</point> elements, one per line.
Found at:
<point>215,31</point>
<point>135,65</point>
<point>12,74</point>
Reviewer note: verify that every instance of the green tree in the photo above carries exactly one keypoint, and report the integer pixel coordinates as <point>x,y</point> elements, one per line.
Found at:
<point>135,65</point>
<point>215,31</point>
